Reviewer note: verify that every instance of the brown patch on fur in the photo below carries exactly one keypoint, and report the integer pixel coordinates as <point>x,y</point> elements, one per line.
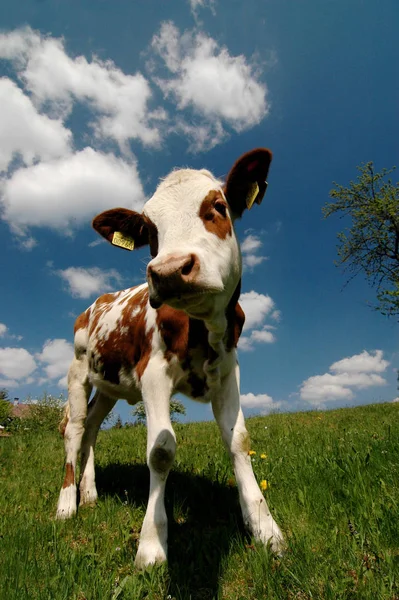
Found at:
<point>127,345</point>
<point>181,334</point>
<point>214,214</point>
<point>173,326</point>
<point>69,476</point>
<point>82,321</point>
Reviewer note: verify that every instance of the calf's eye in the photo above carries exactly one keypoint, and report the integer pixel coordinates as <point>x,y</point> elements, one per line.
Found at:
<point>221,208</point>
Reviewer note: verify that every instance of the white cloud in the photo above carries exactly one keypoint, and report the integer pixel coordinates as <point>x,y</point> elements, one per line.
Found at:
<point>361,363</point>
<point>250,261</point>
<point>263,335</point>
<point>9,383</point>
<point>260,336</point>
<point>200,136</point>
<point>263,402</point>
<point>97,242</point>
<point>119,101</point>
<point>251,243</point>
<point>65,193</point>
<point>256,306</point>
<point>217,87</point>
<point>249,247</point>
<point>195,4</point>
<point>25,132</point>
<point>56,355</point>
<point>16,363</point>
<point>48,185</point>
<point>84,282</point>
<point>218,91</point>
<point>352,373</point>
<point>276,315</point>
<point>27,243</point>
<point>4,332</point>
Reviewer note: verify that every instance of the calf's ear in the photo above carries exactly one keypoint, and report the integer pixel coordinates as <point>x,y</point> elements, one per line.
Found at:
<point>122,227</point>
<point>247,181</point>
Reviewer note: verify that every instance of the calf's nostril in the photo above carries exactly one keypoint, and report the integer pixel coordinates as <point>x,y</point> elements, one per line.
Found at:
<point>154,276</point>
<point>188,266</point>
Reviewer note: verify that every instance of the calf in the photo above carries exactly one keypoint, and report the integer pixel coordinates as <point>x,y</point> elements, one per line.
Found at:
<point>176,333</point>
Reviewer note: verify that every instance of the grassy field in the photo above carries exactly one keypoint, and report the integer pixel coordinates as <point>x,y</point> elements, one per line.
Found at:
<point>333,486</point>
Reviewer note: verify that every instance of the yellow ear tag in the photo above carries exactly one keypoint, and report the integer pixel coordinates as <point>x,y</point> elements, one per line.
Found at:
<point>252,194</point>
<point>124,241</point>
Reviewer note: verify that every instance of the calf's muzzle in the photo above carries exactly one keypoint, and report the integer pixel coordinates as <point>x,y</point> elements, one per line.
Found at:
<point>171,277</point>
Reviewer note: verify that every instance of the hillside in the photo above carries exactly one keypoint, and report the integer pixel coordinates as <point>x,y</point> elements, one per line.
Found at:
<point>332,483</point>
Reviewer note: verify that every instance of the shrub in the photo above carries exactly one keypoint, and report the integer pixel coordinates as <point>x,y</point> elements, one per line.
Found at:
<point>5,412</point>
<point>45,414</point>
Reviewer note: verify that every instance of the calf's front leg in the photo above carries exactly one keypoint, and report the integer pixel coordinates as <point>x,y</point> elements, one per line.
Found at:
<point>161,448</point>
<point>228,414</point>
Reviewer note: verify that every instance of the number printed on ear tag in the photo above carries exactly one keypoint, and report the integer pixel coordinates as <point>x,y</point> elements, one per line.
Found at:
<point>252,194</point>
<point>124,241</point>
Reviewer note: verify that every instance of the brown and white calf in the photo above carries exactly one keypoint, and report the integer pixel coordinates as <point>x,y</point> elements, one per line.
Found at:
<point>176,333</point>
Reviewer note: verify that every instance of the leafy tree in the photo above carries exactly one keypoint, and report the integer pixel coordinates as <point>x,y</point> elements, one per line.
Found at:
<point>138,413</point>
<point>175,408</point>
<point>118,423</point>
<point>371,245</point>
<point>3,394</point>
<point>5,411</point>
<point>109,420</point>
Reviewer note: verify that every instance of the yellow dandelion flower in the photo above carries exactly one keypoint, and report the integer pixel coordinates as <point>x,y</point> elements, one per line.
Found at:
<point>263,456</point>
<point>251,452</point>
<point>263,485</point>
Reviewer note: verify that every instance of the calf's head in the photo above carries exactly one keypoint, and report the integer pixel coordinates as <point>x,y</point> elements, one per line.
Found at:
<point>189,226</point>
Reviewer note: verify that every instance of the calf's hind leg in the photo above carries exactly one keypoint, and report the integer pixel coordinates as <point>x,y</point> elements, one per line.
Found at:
<point>79,390</point>
<point>100,406</point>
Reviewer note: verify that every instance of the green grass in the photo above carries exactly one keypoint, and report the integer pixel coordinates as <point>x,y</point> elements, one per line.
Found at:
<point>323,470</point>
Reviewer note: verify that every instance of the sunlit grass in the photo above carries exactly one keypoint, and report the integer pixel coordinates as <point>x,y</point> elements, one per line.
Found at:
<point>331,480</point>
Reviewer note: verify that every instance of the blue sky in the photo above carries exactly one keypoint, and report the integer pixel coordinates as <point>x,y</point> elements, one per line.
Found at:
<point>99,100</point>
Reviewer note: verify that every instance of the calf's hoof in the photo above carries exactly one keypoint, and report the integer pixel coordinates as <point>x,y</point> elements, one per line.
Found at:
<point>66,507</point>
<point>88,498</point>
<point>148,556</point>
